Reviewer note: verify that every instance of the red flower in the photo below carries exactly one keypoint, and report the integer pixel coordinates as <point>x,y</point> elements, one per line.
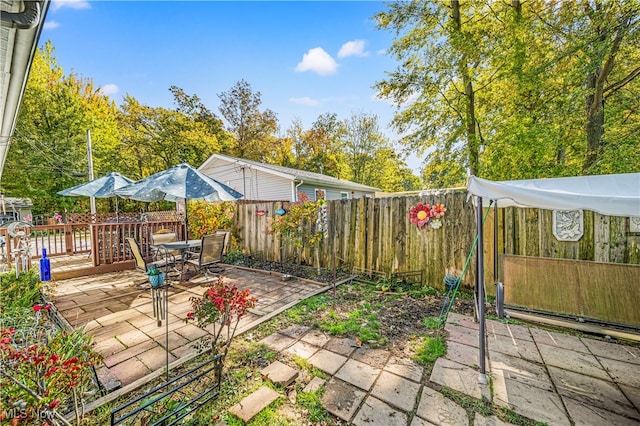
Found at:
<point>53,404</point>
<point>47,306</point>
<point>37,308</point>
<point>190,315</point>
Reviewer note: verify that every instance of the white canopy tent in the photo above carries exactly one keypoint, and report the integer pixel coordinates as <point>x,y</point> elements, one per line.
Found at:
<point>612,195</point>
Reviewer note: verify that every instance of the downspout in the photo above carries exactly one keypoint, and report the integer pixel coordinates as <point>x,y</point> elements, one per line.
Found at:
<point>294,196</point>
<point>25,20</point>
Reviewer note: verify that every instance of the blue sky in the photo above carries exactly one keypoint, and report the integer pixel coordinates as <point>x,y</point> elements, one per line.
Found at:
<point>306,58</point>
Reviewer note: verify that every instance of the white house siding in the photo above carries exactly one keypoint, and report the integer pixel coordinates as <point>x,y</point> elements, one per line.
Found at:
<point>257,185</point>
<point>332,193</point>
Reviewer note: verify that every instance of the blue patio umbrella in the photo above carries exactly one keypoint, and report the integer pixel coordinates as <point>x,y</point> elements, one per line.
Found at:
<point>179,183</point>
<point>102,187</point>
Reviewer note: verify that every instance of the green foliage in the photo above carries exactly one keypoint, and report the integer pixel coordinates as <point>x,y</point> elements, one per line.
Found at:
<point>49,149</point>
<point>431,349</point>
<point>503,90</point>
<point>313,404</point>
<point>432,323</point>
<point>254,130</point>
<point>362,323</point>
<point>298,225</point>
<point>48,371</point>
<point>21,292</point>
<point>205,218</point>
<point>233,257</point>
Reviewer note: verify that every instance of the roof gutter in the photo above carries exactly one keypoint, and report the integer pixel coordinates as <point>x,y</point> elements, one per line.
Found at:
<point>294,196</point>
<point>25,28</point>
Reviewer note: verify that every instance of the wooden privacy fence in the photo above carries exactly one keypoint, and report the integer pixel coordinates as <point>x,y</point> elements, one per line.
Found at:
<point>376,234</point>
<point>373,234</point>
<point>579,288</point>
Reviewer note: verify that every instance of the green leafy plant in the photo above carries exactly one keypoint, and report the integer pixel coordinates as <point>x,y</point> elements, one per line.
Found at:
<point>23,291</point>
<point>300,226</point>
<point>207,217</point>
<point>153,271</point>
<point>45,375</point>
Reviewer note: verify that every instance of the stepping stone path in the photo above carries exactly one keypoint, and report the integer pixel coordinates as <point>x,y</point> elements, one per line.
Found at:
<point>370,387</point>
<point>279,373</point>
<point>250,406</point>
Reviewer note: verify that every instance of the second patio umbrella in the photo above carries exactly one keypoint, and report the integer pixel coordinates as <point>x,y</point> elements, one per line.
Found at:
<point>179,183</point>
<point>102,187</point>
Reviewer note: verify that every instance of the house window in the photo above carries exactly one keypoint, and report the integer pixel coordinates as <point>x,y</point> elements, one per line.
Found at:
<point>320,194</point>
<point>344,195</point>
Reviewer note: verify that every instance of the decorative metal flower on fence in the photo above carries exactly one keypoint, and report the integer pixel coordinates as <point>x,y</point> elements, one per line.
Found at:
<point>427,215</point>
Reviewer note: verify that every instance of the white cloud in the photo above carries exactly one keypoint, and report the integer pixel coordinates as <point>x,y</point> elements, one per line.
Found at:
<point>51,25</point>
<point>318,61</point>
<point>353,48</point>
<point>71,4</point>
<point>305,101</point>
<point>110,89</point>
<point>381,52</point>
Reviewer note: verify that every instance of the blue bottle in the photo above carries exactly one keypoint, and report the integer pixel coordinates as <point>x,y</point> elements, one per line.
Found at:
<point>45,267</point>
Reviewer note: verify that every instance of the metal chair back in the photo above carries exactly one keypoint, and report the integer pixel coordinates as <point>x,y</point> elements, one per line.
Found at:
<point>165,237</point>
<point>211,250</point>
<point>137,254</point>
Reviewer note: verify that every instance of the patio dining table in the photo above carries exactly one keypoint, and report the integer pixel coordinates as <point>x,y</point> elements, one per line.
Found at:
<point>182,246</point>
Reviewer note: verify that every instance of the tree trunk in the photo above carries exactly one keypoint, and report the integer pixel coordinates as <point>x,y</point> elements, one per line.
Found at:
<point>469,94</point>
<point>594,128</point>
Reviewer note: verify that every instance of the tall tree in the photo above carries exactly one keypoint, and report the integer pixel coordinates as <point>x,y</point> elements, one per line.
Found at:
<point>517,89</point>
<point>193,107</point>
<point>49,150</point>
<point>156,138</point>
<point>254,130</point>
<point>323,148</point>
<point>362,140</point>
<point>441,56</point>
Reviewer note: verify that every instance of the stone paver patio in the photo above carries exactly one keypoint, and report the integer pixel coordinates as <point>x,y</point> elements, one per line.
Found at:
<point>120,316</point>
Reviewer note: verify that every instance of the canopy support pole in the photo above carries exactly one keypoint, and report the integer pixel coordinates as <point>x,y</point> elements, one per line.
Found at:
<point>482,377</point>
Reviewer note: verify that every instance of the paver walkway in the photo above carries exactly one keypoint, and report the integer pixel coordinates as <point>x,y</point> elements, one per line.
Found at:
<point>548,377</point>
<point>120,316</point>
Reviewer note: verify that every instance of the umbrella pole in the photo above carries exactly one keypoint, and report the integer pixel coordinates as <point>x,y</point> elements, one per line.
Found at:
<point>186,222</point>
<point>117,213</point>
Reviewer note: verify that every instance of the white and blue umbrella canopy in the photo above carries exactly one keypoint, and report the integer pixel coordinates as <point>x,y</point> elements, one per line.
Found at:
<point>179,183</point>
<point>101,187</point>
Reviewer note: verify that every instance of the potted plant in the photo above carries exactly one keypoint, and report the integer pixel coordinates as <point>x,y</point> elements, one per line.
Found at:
<point>156,276</point>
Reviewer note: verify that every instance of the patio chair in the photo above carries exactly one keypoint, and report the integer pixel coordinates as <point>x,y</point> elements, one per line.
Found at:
<point>210,256</point>
<point>161,237</point>
<point>227,239</point>
<point>142,264</point>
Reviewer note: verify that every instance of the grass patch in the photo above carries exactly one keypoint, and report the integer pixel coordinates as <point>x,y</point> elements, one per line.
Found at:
<point>311,402</point>
<point>359,322</point>
<point>305,311</point>
<point>514,418</point>
<point>432,323</point>
<point>431,349</point>
<point>469,403</point>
